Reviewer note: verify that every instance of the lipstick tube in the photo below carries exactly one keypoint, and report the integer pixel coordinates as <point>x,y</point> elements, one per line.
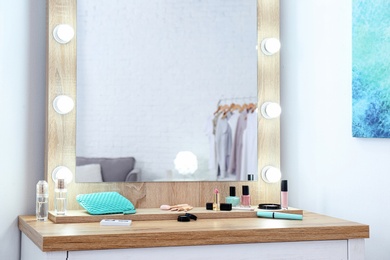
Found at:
<point>284,195</point>
<point>216,199</point>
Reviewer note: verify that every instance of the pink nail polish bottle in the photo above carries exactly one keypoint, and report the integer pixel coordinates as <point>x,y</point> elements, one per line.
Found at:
<point>245,197</point>
<point>284,195</point>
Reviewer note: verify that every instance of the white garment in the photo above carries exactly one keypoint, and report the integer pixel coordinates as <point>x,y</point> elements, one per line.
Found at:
<point>209,131</point>
<point>223,145</point>
<point>235,162</point>
<point>251,144</point>
<point>233,119</point>
<point>244,156</point>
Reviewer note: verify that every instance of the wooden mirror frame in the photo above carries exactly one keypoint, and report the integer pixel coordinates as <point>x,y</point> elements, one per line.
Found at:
<point>61,129</point>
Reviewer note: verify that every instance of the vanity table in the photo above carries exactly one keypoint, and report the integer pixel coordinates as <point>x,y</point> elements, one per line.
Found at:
<point>247,237</point>
<point>222,237</point>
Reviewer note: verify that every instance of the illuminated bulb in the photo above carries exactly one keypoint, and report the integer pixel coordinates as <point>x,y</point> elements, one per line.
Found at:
<point>63,33</point>
<point>271,110</point>
<point>62,172</point>
<point>270,46</point>
<point>186,162</point>
<point>63,104</point>
<point>271,174</point>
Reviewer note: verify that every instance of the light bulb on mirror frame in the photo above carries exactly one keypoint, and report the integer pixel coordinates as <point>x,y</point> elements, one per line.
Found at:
<point>63,104</point>
<point>63,33</point>
<point>270,46</point>
<point>62,172</point>
<point>271,174</point>
<point>270,110</point>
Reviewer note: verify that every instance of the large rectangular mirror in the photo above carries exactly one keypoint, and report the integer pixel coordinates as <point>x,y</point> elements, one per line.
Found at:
<point>150,77</point>
<point>62,79</point>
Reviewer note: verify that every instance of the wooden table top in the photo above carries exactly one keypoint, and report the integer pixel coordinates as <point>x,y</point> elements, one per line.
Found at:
<point>49,236</point>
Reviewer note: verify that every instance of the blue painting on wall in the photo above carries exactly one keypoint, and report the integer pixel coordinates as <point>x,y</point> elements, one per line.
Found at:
<point>371,68</point>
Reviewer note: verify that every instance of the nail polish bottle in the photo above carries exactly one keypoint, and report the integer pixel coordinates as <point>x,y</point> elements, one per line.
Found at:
<point>233,199</point>
<point>245,197</point>
<point>42,201</point>
<point>284,195</point>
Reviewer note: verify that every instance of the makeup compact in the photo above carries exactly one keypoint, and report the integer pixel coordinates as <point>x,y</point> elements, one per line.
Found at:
<point>191,216</point>
<point>186,218</point>
<point>183,218</point>
<point>269,206</point>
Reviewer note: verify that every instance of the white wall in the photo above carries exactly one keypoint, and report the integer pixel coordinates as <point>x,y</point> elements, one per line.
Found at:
<point>328,170</point>
<point>22,110</point>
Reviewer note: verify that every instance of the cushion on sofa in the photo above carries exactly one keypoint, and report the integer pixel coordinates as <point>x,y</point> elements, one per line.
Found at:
<point>113,169</point>
<point>89,173</point>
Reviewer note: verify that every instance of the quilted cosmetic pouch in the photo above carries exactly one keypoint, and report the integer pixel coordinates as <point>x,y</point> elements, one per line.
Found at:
<point>105,203</point>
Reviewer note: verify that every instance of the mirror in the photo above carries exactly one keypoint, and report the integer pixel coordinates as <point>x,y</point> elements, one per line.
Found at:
<point>150,76</point>
<point>61,129</point>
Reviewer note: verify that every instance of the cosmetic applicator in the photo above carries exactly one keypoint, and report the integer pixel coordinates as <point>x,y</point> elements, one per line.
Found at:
<point>178,207</point>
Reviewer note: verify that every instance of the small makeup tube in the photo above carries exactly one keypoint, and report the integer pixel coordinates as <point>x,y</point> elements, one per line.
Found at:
<point>284,194</point>
<point>279,215</point>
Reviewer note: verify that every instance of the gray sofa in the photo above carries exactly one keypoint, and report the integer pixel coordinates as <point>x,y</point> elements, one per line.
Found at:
<point>113,169</point>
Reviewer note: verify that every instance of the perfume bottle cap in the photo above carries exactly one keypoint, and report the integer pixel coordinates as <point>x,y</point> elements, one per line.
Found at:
<point>284,185</point>
<point>42,187</point>
<point>232,191</point>
<point>245,190</point>
<point>60,184</point>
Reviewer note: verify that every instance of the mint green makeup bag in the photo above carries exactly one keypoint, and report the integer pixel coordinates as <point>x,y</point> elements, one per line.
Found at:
<point>102,203</point>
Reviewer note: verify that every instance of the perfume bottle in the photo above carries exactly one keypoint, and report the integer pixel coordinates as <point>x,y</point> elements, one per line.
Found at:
<point>233,199</point>
<point>60,193</point>
<point>245,197</point>
<point>42,201</point>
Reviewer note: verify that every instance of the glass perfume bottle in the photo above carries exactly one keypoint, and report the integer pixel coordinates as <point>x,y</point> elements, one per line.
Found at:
<point>232,199</point>
<point>42,200</point>
<point>60,193</point>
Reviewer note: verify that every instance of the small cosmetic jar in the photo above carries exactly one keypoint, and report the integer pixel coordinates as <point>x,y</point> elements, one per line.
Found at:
<point>209,206</point>
<point>225,206</point>
<point>269,206</point>
<point>183,218</point>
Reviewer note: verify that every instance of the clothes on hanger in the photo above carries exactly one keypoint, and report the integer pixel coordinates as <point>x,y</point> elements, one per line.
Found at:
<point>232,133</point>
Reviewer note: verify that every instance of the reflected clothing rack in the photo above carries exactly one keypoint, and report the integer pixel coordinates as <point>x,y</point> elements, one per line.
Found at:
<point>233,140</point>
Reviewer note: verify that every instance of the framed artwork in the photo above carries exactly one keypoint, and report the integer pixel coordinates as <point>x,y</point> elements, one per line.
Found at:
<point>371,68</point>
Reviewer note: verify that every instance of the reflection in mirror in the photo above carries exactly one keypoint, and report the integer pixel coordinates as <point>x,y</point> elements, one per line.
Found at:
<point>165,90</point>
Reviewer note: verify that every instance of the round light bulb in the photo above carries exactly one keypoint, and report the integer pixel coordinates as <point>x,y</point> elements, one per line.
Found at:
<point>63,104</point>
<point>63,33</point>
<point>271,110</point>
<point>62,172</point>
<point>270,46</point>
<point>186,162</point>
<point>271,174</point>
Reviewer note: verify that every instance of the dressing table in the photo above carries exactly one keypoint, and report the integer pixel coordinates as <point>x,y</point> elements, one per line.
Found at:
<point>247,237</point>
<point>215,234</point>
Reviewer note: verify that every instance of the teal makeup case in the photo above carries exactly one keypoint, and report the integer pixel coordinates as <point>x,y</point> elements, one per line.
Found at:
<point>102,203</point>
